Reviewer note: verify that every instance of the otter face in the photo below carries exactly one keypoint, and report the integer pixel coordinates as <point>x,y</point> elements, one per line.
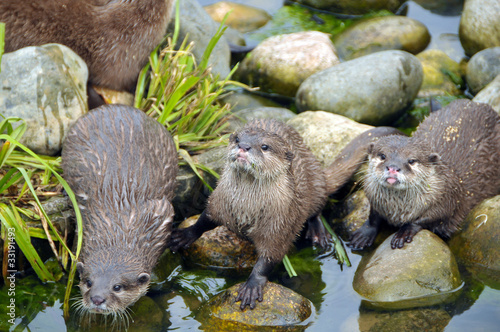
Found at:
<point>259,153</point>
<point>395,164</point>
<point>106,291</point>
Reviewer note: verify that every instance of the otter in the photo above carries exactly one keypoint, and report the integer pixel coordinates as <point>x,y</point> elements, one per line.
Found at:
<point>114,37</point>
<point>271,185</point>
<point>434,178</point>
<point>122,166</point>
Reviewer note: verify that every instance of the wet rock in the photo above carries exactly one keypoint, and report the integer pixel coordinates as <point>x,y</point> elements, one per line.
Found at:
<point>280,308</point>
<point>164,271</point>
<point>353,7</point>
<point>239,118</point>
<point>326,134</point>
<point>380,34</point>
<point>479,25</point>
<point>281,63</point>
<point>483,67</point>
<point>147,316</point>
<point>478,244</point>
<point>442,75</point>
<point>242,18</point>
<point>490,94</point>
<point>47,87</point>
<point>199,26</point>
<point>220,248</point>
<point>373,89</point>
<point>243,100</point>
<point>422,273</point>
<point>115,97</point>
<point>443,7</point>
<point>354,212</point>
<point>429,320</point>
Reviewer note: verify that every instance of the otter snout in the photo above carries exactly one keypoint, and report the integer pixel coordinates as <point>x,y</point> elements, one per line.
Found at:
<point>97,300</point>
<point>244,147</point>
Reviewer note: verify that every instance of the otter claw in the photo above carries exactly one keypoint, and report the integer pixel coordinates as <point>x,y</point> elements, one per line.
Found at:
<point>404,235</point>
<point>248,294</point>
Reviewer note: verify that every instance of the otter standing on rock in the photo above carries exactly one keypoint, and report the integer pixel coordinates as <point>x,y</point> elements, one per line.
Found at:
<point>434,178</point>
<point>122,166</point>
<point>271,185</point>
<point>114,37</point>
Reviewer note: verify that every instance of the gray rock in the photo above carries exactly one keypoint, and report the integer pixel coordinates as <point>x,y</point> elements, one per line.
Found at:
<point>380,34</point>
<point>479,25</point>
<point>490,94</point>
<point>483,67</point>
<point>422,273</point>
<point>326,134</point>
<point>242,100</point>
<point>281,63</point>
<point>353,7</point>
<point>280,309</point>
<point>195,22</point>
<point>373,89</point>
<point>47,87</point>
<point>478,244</point>
<point>239,118</point>
<point>242,18</point>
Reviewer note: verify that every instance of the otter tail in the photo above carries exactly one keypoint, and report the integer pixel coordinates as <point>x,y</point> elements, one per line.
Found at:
<point>352,156</point>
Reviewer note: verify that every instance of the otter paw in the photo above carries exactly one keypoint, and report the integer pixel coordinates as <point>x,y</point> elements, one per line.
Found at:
<point>404,235</point>
<point>249,293</point>
<point>181,238</point>
<point>317,233</point>
<point>363,237</point>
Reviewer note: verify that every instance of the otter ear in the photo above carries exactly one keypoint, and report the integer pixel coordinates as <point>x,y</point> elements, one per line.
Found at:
<point>434,158</point>
<point>289,155</point>
<point>79,267</point>
<point>370,148</point>
<point>143,278</point>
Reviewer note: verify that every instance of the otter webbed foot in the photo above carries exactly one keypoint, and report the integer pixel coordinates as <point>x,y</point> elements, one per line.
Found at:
<point>363,237</point>
<point>317,233</point>
<point>404,234</point>
<point>252,290</point>
<point>184,237</point>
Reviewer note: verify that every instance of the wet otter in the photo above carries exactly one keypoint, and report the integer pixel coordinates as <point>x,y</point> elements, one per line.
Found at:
<point>271,185</point>
<point>122,166</point>
<point>432,179</point>
<point>114,37</point>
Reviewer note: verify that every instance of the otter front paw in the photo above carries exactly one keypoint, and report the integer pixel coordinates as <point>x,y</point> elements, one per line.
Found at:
<point>250,292</point>
<point>317,233</point>
<point>363,237</point>
<point>181,238</point>
<point>404,234</point>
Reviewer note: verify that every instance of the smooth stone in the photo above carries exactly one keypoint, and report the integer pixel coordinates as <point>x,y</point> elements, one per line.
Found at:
<point>479,25</point>
<point>442,75</point>
<point>482,68</point>
<point>478,243</point>
<point>239,118</point>
<point>490,94</point>
<point>200,28</point>
<point>242,17</point>
<point>374,89</point>
<point>442,7</point>
<point>115,97</point>
<point>326,134</point>
<point>380,34</point>
<point>47,87</point>
<point>220,248</point>
<point>280,308</point>
<point>422,273</point>
<point>281,63</point>
<point>357,7</point>
<point>240,100</point>
<point>354,212</point>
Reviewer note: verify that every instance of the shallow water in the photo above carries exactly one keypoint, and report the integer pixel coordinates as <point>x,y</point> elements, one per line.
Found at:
<point>337,306</point>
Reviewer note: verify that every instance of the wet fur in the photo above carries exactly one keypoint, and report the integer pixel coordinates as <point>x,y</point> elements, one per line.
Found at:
<point>113,37</point>
<point>122,166</point>
<point>458,156</point>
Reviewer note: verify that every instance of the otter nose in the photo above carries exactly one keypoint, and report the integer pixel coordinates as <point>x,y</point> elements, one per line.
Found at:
<point>393,169</point>
<point>97,300</point>
<point>244,146</point>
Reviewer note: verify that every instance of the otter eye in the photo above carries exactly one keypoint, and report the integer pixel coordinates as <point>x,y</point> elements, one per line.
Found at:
<point>381,156</point>
<point>264,147</point>
<point>236,139</point>
<point>117,288</point>
<point>89,283</point>
<point>412,161</point>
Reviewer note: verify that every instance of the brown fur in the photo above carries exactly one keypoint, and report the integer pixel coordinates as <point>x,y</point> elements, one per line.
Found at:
<point>113,37</point>
<point>122,166</point>
<point>454,164</point>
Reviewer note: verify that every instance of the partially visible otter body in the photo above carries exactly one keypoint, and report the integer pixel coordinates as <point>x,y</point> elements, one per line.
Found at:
<point>271,185</point>
<point>433,179</point>
<point>122,166</point>
<point>114,37</point>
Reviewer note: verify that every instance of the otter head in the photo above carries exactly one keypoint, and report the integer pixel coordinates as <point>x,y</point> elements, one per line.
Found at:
<point>398,162</point>
<point>260,153</point>
<point>110,289</point>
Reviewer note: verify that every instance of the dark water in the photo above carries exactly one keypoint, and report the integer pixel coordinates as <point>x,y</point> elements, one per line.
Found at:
<point>337,306</point>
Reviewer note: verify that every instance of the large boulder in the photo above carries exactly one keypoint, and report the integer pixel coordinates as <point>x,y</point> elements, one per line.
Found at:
<point>479,25</point>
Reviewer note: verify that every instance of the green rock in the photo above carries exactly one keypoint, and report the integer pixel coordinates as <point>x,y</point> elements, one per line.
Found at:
<point>442,75</point>
<point>380,34</point>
